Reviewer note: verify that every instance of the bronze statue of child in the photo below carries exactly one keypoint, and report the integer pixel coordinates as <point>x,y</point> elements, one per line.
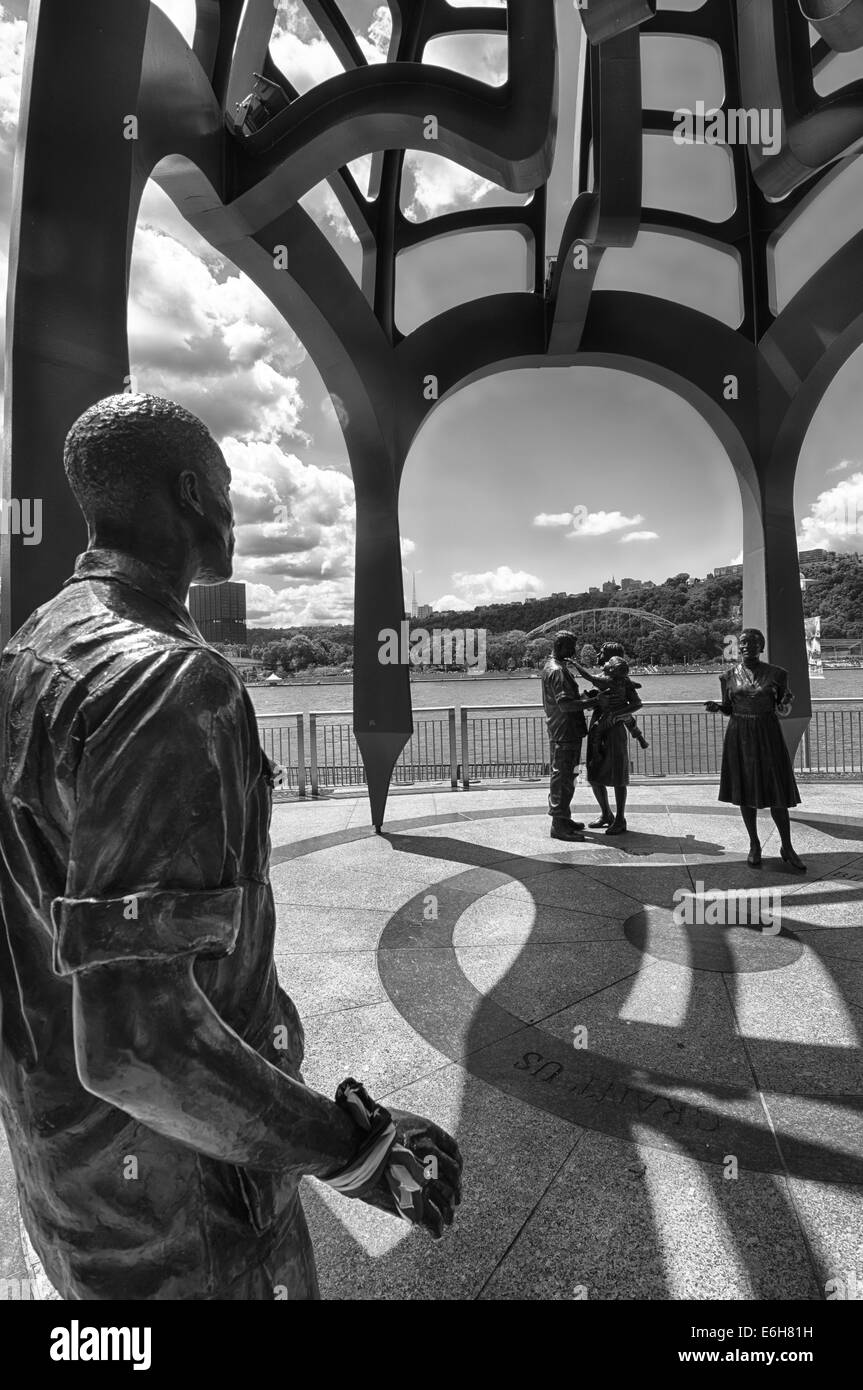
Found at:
<point>614,691</point>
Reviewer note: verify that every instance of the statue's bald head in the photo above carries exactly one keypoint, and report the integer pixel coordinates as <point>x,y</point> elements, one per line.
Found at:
<point>128,449</point>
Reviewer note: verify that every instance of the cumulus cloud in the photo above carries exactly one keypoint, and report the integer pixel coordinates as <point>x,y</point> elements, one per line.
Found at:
<point>601,523</point>
<point>494,586</point>
<point>835,520</point>
<point>13,33</point>
<point>380,31</point>
<point>305,57</point>
<point>440,186</point>
<point>294,520</point>
<point>324,208</point>
<point>451,603</point>
<point>580,522</point>
<point>640,536</point>
<point>212,341</point>
<point>298,605</point>
<point>207,337</point>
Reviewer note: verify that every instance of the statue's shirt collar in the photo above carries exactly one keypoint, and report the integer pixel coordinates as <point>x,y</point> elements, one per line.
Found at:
<point>116,565</point>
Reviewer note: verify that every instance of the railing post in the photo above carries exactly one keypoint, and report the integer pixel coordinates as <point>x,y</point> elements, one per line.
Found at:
<point>465,767</point>
<point>807,751</point>
<point>301,756</point>
<point>453,750</point>
<point>313,751</point>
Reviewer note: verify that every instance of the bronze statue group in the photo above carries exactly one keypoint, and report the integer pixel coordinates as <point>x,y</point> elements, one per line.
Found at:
<point>756,765</point>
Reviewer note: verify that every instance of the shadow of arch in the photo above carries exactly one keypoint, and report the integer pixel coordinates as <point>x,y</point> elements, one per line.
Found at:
<point>421,974</point>
<point>374,1268</point>
<point>701,1119</point>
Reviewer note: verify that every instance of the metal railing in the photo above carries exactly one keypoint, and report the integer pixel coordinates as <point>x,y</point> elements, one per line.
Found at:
<point>833,742</point>
<point>283,739</point>
<point>430,756</point>
<point>509,742</point>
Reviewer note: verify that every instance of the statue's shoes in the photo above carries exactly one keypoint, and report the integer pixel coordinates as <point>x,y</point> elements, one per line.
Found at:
<point>565,831</point>
<point>793,861</point>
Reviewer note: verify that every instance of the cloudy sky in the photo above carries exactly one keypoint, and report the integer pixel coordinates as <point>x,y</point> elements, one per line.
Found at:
<point>526,483</point>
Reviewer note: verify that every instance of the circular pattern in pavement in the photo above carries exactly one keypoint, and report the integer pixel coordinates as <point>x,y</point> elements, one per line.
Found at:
<point>776,1128</point>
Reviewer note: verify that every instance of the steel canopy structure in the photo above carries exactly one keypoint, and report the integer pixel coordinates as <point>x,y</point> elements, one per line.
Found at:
<point>83,166</point>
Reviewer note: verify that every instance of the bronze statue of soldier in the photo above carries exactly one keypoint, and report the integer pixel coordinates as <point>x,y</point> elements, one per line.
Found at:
<point>150,1079</point>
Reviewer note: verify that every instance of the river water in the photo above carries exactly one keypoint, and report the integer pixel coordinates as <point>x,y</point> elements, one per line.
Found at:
<point>328,698</point>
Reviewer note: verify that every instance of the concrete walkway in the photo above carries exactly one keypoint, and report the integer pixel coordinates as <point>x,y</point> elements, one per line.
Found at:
<point>648,1108</point>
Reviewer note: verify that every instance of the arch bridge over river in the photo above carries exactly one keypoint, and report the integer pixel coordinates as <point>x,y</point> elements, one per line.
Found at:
<point>595,622</point>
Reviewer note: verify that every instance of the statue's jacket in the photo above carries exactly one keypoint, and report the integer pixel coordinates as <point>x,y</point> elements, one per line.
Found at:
<point>132,778</point>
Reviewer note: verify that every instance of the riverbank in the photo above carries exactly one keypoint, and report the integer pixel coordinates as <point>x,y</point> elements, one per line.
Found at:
<point>832,671</point>
<point>468,677</point>
<point>512,690</point>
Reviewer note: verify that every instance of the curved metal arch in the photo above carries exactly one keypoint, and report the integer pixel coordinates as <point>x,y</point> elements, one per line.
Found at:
<point>489,334</point>
<point>611,611</point>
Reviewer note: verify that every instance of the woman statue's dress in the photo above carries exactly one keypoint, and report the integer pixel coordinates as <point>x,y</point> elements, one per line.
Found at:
<point>607,743</point>
<point>756,765</point>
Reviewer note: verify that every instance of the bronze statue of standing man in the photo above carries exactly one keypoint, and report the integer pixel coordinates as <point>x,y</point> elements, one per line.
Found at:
<point>150,1078</point>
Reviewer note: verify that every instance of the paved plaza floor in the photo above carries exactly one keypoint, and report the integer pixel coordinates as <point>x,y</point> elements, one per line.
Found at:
<point>648,1108</point>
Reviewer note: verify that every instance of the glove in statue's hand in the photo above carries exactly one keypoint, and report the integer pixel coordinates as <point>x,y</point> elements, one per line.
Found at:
<point>439,1194</point>
<point>713,707</point>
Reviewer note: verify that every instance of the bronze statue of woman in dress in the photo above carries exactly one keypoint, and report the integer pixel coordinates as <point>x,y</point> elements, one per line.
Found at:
<point>756,765</point>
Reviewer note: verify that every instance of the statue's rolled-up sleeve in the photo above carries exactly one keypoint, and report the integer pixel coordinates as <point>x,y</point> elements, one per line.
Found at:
<point>159,818</point>
<point>144,926</point>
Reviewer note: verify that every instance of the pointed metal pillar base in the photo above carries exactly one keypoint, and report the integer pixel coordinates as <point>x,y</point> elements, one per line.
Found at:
<point>794,728</point>
<point>379,753</point>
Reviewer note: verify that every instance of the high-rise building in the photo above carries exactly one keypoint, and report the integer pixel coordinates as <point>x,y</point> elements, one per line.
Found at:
<point>220,611</point>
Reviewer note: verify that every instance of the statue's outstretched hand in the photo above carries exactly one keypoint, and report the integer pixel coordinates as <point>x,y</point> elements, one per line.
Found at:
<point>430,1164</point>
<point>713,707</point>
